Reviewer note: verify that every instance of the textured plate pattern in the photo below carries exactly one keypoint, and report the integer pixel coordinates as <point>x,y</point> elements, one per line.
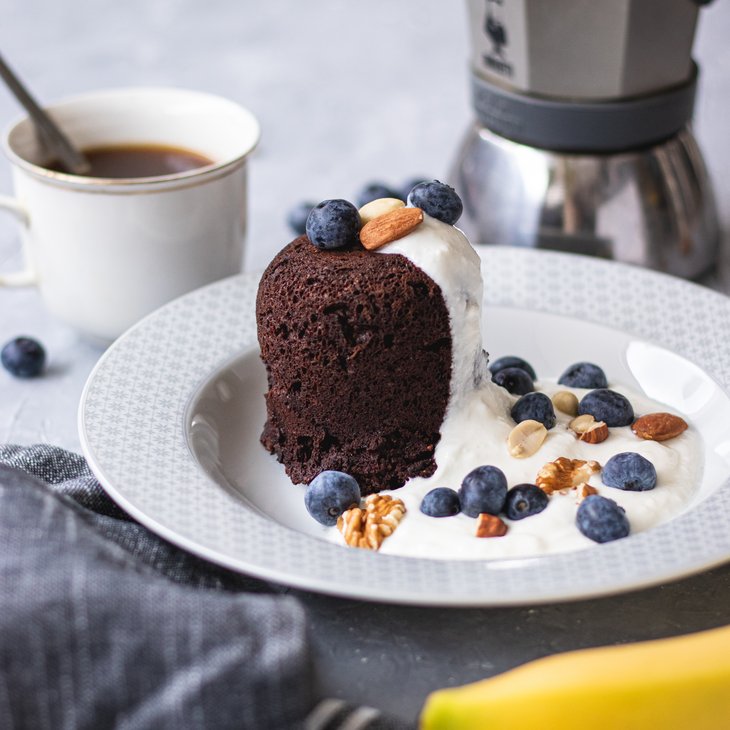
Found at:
<point>132,413</point>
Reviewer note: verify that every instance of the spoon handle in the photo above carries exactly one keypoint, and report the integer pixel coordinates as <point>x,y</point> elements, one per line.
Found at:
<point>73,160</point>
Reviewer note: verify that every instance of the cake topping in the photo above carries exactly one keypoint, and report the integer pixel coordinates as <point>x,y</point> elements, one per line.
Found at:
<point>583,375</point>
<point>333,224</point>
<point>525,500</point>
<point>376,208</point>
<point>490,526</point>
<point>483,489</point>
<point>566,402</point>
<point>526,438</point>
<point>535,407</point>
<point>438,200</point>
<point>587,429</point>
<point>607,405</point>
<point>390,227</point>
<point>329,494</point>
<point>367,527</point>
<point>441,502</point>
<point>629,471</point>
<point>659,426</point>
<point>601,519</point>
<point>563,474</point>
<point>514,380</point>
<point>511,361</point>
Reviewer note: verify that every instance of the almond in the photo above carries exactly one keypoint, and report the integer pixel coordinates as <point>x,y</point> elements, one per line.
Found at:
<point>659,426</point>
<point>390,227</point>
<point>490,526</point>
<point>375,208</point>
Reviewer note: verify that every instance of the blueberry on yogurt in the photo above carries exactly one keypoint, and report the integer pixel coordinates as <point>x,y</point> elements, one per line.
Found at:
<point>584,375</point>
<point>441,502</point>
<point>601,519</point>
<point>514,380</point>
<point>438,200</point>
<point>512,361</point>
<point>483,489</point>
<point>608,406</point>
<point>524,500</point>
<point>329,494</point>
<point>629,471</point>
<point>534,407</point>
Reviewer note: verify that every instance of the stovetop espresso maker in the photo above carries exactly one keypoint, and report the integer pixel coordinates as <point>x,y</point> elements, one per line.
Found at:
<point>582,139</point>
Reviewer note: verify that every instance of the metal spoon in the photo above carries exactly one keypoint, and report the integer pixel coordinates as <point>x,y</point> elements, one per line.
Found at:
<point>57,142</point>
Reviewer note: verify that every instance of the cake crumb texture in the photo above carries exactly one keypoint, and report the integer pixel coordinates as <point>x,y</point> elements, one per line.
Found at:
<point>357,348</point>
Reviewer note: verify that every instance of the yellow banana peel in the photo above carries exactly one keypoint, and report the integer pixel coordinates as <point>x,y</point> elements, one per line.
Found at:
<point>682,682</point>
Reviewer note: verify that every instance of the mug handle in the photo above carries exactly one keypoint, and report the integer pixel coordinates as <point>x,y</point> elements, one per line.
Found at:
<point>27,276</point>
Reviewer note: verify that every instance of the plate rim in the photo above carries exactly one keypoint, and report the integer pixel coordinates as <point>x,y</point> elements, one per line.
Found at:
<point>360,591</point>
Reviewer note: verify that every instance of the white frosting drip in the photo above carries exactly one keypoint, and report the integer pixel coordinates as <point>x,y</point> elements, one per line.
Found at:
<point>477,423</point>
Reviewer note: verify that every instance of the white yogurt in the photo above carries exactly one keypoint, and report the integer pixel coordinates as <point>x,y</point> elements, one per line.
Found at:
<point>477,424</point>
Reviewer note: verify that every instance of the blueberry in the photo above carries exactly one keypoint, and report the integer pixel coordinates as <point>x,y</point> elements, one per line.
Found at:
<point>516,380</point>
<point>329,494</point>
<point>629,471</point>
<point>524,500</point>
<point>437,200</point>
<point>607,405</point>
<point>373,191</point>
<point>411,183</point>
<point>297,217</point>
<point>510,361</point>
<point>601,519</point>
<point>534,407</point>
<point>333,224</point>
<point>441,502</point>
<point>584,375</point>
<point>23,357</point>
<point>483,490</point>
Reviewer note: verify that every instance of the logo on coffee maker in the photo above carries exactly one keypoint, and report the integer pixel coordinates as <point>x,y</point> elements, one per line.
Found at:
<point>497,34</point>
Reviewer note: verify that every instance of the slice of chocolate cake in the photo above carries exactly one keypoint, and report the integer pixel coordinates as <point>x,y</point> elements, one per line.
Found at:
<point>358,351</point>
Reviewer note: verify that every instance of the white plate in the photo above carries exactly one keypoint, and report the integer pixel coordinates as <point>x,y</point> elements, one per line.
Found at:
<point>170,419</point>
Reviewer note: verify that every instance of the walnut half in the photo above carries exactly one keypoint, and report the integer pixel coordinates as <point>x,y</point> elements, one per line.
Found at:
<point>366,527</point>
<point>563,474</point>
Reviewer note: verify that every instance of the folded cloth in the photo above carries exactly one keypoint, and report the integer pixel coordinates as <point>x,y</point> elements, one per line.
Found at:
<point>102,624</point>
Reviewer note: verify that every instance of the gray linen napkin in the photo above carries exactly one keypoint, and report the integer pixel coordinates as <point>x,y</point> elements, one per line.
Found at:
<point>102,624</point>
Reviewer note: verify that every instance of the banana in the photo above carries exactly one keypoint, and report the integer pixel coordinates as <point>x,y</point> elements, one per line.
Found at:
<point>682,682</point>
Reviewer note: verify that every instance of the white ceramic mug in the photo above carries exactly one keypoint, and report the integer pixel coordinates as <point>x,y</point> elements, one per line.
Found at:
<point>106,252</point>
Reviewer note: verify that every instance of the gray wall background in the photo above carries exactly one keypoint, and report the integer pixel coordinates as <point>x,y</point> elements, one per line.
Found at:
<point>345,91</point>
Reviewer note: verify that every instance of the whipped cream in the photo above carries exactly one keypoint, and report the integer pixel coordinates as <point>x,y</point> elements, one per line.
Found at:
<point>477,423</point>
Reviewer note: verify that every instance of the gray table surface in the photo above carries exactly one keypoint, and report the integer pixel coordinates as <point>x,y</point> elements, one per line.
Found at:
<point>345,93</point>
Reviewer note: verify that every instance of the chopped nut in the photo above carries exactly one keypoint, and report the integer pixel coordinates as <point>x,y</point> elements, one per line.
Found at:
<point>563,474</point>
<point>490,526</point>
<point>587,429</point>
<point>585,490</point>
<point>390,227</point>
<point>376,208</point>
<point>566,402</point>
<point>367,527</point>
<point>659,426</point>
<point>582,423</point>
<point>596,434</point>
<point>526,438</point>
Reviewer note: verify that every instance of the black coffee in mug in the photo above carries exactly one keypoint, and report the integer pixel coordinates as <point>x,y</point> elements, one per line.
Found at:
<point>138,160</point>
